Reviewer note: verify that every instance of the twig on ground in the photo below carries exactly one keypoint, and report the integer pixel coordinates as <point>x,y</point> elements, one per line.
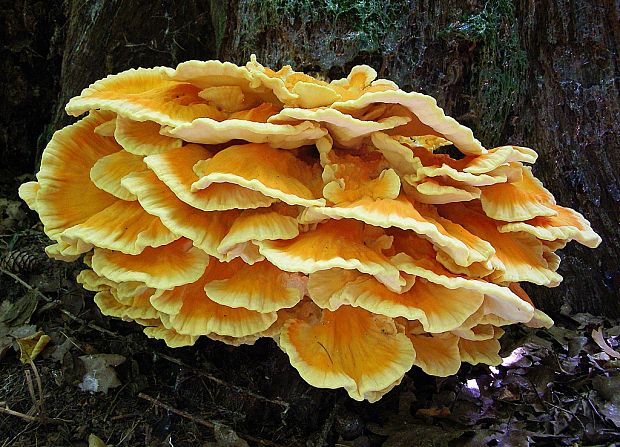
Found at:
<point>203,422</point>
<point>553,395</point>
<point>38,403</point>
<point>34,408</point>
<point>24,416</point>
<point>64,311</point>
<point>27,417</point>
<point>600,416</point>
<point>128,431</point>
<point>36,412</point>
<point>71,341</point>
<point>236,388</point>
<point>329,423</point>
<point>120,417</point>
<point>113,404</point>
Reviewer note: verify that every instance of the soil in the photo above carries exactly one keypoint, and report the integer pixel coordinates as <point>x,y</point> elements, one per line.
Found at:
<point>556,387</point>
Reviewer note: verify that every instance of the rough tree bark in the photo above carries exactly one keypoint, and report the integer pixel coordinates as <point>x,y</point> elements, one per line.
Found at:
<point>539,73</point>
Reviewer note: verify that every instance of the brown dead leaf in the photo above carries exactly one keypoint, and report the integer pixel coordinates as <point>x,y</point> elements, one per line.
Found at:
<point>11,214</point>
<point>100,374</point>
<point>597,336</point>
<point>30,347</point>
<point>17,313</point>
<point>5,345</point>
<point>436,412</point>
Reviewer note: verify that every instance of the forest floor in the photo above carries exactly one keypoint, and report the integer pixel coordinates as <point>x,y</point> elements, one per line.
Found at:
<point>557,387</point>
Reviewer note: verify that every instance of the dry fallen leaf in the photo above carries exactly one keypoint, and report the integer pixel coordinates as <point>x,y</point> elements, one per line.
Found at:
<point>440,412</point>
<point>100,376</point>
<point>597,336</point>
<point>17,313</point>
<point>30,347</point>
<point>12,213</point>
<point>95,441</point>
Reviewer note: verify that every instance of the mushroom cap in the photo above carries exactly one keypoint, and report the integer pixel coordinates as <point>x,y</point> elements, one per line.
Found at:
<point>349,177</point>
<point>404,213</point>
<point>176,169</point>
<point>437,355</point>
<point>124,227</point>
<point>426,117</point>
<point>143,137</point>
<point>439,191</point>
<point>108,172</point>
<point>439,309</point>
<point>171,337</point>
<point>326,354</point>
<point>262,224</point>
<point>518,201</point>
<point>280,175</point>
<point>334,244</point>
<point>66,196</point>
<point>28,193</point>
<point>205,230</point>
<point>346,130</point>
<point>565,225</point>
<point>197,314</point>
<point>145,94</point>
<point>163,267</point>
<point>518,256</point>
<point>260,287</point>
<point>481,351</point>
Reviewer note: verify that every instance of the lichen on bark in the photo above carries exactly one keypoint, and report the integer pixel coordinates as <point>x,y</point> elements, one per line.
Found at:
<point>499,67</point>
<point>322,35</point>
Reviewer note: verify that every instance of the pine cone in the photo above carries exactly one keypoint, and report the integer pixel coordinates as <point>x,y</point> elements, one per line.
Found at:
<point>20,261</point>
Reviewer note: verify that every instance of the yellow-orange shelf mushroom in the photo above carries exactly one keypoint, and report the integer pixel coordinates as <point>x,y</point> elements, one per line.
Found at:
<point>240,202</point>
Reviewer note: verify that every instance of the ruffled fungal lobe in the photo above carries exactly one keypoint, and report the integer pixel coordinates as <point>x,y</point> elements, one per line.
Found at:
<point>239,202</point>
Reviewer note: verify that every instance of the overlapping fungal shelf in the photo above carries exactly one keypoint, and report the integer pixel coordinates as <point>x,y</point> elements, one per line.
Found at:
<point>239,202</point>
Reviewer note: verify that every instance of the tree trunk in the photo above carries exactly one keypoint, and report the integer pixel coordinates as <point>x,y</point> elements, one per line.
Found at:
<point>538,73</point>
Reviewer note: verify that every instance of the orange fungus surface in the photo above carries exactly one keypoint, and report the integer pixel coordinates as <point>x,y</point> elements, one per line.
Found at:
<point>239,202</point>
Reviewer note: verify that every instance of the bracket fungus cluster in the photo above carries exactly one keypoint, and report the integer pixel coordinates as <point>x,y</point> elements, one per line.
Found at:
<point>239,202</point>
